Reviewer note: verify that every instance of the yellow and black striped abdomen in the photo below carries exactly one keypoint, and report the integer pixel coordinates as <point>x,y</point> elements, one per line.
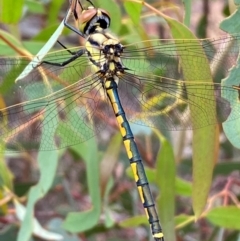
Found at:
<point>135,159</point>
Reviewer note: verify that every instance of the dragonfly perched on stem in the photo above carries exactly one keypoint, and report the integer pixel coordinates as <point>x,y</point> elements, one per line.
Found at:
<point>67,98</point>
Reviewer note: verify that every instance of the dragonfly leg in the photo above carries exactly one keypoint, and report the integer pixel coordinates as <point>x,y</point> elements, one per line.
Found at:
<point>90,2</point>
<point>76,18</point>
<point>75,14</point>
<point>81,4</point>
<point>73,29</point>
<point>69,51</point>
<point>76,55</point>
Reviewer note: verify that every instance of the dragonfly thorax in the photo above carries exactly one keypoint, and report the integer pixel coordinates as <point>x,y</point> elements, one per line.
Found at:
<point>104,51</point>
<point>111,69</point>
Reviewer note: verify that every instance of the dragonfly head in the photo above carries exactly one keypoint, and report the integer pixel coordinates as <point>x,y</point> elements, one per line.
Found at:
<point>93,18</point>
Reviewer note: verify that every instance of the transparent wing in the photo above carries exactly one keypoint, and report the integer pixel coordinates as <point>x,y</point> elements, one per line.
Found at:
<point>69,103</point>
<point>160,94</point>
<point>165,104</point>
<point>66,102</point>
<point>163,57</point>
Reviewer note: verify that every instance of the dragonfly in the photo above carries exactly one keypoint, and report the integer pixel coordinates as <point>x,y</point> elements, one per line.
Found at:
<point>69,97</point>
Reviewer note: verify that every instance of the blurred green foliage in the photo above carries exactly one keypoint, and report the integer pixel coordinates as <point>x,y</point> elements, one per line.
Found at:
<point>75,190</point>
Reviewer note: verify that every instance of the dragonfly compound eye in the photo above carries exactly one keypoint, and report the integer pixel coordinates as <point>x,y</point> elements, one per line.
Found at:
<point>92,18</point>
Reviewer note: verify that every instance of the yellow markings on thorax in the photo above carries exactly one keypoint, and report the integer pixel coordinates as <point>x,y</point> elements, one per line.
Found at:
<point>94,52</point>
<point>111,40</point>
<point>111,66</point>
<point>99,38</point>
<point>158,235</point>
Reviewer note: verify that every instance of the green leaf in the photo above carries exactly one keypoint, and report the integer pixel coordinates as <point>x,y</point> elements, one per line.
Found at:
<point>204,139</point>
<point>55,224</point>
<point>232,25</point>
<point>6,180</point>
<point>226,168</point>
<point>82,221</point>
<point>133,10</point>
<point>38,230</point>
<point>11,11</point>
<point>231,128</point>
<point>166,201</point>
<point>35,7</point>
<point>33,46</point>
<point>54,10</point>
<point>47,159</point>
<point>115,13</point>
<point>109,221</point>
<point>107,166</point>
<point>133,222</point>
<point>183,187</point>
<point>9,232</point>
<point>9,80</point>
<point>6,176</point>
<point>182,220</point>
<point>187,16</point>
<point>226,217</point>
<point>4,206</point>
<point>46,33</point>
<point>109,161</point>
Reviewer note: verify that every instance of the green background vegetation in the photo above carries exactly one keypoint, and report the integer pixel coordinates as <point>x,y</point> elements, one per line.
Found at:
<point>84,189</point>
